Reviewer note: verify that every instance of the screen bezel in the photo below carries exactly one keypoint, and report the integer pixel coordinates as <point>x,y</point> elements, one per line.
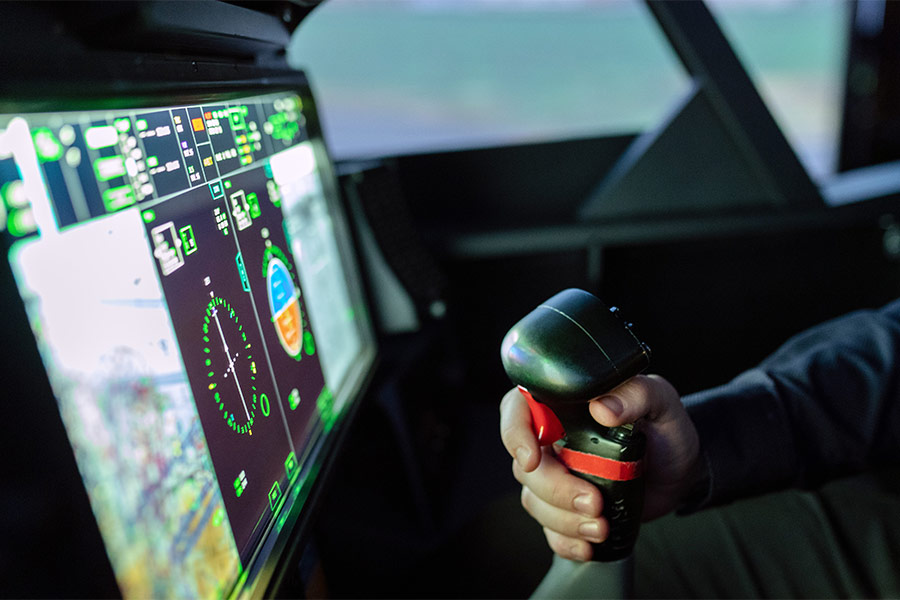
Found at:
<point>265,572</point>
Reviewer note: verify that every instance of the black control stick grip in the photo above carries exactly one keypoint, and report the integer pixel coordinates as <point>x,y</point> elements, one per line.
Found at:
<point>567,351</point>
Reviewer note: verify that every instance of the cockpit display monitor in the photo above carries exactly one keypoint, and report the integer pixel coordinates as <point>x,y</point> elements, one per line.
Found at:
<point>186,274</point>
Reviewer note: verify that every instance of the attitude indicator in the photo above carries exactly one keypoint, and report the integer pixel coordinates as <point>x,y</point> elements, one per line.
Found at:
<point>284,303</point>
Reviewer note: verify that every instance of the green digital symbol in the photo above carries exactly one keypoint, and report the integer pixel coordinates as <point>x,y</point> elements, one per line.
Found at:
<point>118,198</point>
<point>237,118</point>
<point>123,125</point>
<point>20,222</point>
<point>45,143</point>
<point>216,189</point>
<point>242,271</point>
<point>253,202</point>
<point>294,399</point>
<point>218,517</point>
<point>290,465</point>
<point>274,495</point>
<point>240,484</point>
<point>109,167</point>
<point>282,127</point>
<point>12,194</point>
<point>189,242</point>
<point>325,404</point>
<point>309,343</point>
<point>231,367</point>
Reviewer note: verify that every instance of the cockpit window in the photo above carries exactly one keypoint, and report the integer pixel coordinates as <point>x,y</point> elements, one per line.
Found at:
<point>796,53</point>
<point>397,76</point>
<point>403,76</point>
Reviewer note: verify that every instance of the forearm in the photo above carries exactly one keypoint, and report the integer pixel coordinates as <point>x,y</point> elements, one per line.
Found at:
<point>825,404</point>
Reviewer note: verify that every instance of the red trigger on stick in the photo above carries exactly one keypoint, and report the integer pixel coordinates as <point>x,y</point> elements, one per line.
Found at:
<point>545,423</point>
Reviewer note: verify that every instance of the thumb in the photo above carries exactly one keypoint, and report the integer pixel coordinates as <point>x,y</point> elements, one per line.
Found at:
<point>647,397</point>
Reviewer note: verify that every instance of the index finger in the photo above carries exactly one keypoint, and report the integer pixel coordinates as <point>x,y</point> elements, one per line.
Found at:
<point>516,432</point>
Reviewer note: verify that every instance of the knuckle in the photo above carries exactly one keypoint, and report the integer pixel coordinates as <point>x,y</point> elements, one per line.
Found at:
<point>562,496</point>
<point>567,547</point>
<point>526,499</point>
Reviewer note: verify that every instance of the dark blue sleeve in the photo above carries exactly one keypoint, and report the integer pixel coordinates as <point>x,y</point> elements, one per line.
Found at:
<point>827,403</point>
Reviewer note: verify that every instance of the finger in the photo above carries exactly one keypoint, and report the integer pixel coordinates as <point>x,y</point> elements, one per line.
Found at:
<point>516,432</point>
<point>566,547</point>
<point>555,485</point>
<point>647,397</point>
<point>564,522</point>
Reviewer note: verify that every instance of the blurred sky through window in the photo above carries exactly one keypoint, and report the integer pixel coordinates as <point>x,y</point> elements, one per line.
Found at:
<point>406,76</point>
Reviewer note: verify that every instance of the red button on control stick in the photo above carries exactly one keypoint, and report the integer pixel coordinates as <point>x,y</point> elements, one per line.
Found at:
<point>546,425</point>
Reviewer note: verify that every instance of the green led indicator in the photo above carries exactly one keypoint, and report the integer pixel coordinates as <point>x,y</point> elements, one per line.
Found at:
<point>152,161</point>
<point>148,215</point>
<point>227,184</point>
<point>118,198</point>
<point>12,193</point>
<point>20,223</point>
<point>242,271</point>
<point>102,136</point>
<point>274,496</point>
<point>290,465</point>
<point>189,242</point>
<point>218,517</point>
<point>294,399</point>
<point>109,167</point>
<point>325,404</point>
<point>45,143</point>
<point>282,127</point>
<point>240,484</point>
<point>309,344</point>
<point>122,125</point>
<point>141,124</point>
<point>253,202</point>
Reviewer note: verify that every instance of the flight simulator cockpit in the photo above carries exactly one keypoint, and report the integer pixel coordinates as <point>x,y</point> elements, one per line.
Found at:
<point>236,365</point>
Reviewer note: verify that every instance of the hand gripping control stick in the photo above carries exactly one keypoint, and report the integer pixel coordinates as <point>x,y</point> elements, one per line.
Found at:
<point>567,351</point>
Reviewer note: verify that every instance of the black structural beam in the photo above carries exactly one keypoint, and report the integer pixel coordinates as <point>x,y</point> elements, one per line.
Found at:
<point>709,58</point>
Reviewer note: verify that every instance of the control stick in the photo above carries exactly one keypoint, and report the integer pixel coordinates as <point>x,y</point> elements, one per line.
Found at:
<point>567,351</point>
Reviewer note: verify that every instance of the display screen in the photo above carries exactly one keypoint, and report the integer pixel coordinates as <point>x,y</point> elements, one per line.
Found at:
<point>186,276</point>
